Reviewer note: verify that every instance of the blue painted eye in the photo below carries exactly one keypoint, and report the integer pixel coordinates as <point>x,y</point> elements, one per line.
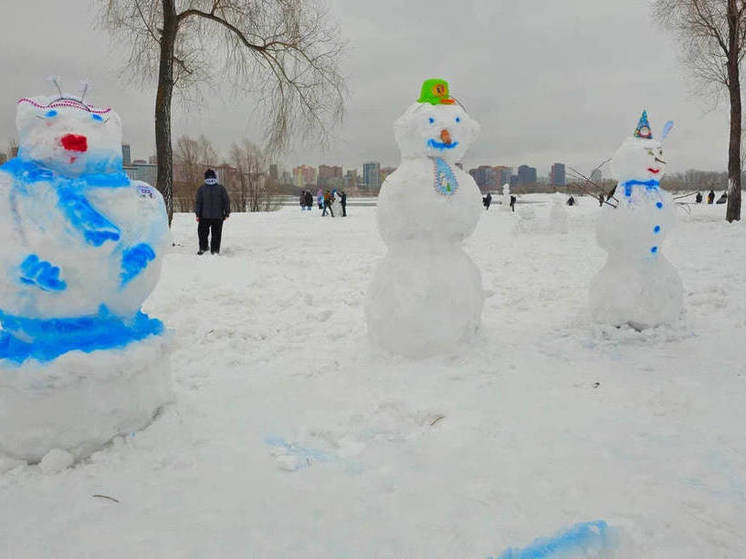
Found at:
<point>654,250</point>
<point>431,120</point>
<point>51,113</point>
<point>659,205</point>
<point>657,229</point>
<point>458,119</point>
<point>97,118</point>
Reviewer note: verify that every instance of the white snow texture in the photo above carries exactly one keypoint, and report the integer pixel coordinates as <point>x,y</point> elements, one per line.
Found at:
<point>638,285</point>
<point>82,249</point>
<point>426,295</point>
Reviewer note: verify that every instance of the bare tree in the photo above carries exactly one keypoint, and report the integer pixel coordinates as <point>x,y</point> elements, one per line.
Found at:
<point>713,36</point>
<point>251,191</point>
<point>191,159</point>
<point>288,50</point>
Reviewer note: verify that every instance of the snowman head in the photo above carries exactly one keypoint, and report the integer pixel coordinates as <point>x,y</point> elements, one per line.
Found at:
<point>435,126</point>
<point>640,158</point>
<point>68,136</point>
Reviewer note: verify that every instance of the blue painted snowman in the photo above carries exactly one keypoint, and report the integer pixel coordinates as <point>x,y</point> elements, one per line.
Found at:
<point>82,243</point>
<point>638,286</point>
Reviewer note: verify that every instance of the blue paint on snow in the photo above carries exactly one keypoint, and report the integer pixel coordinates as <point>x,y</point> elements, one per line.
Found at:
<point>651,184</point>
<point>96,228</point>
<point>445,179</point>
<point>440,145</point>
<point>135,260</point>
<point>659,205</point>
<point>653,250</point>
<point>97,118</point>
<point>306,455</point>
<point>657,229</point>
<point>46,339</point>
<point>587,539</point>
<point>41,274</point>
<point>97,175</point>
<point>51,113</point>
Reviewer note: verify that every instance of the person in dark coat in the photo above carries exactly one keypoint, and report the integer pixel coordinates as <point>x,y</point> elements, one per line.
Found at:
<point>512,202</point>
<point>309,200</point>
<point>601,200</point>
<point>571,201</point>
<point>303,201</point>
<point>343,202</point>
<point>328,201</point>
<point>212,206</point>
<point>487,201</point>
<point>699,198</point>
<point>711,197</point>
<point>723,199</point>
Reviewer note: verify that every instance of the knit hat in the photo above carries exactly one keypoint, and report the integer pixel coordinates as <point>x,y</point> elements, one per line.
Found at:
<point>210,174</point>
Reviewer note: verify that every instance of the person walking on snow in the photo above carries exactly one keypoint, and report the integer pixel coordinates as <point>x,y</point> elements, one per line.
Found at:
<point>320,199</point>
<point>328,201</point>
<point>211,206</point>
<point>343,202</point>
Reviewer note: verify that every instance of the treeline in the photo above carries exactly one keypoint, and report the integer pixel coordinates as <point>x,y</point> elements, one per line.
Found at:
<point>243,173</point>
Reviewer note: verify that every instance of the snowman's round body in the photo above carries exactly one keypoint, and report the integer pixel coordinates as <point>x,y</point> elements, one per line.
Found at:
<point>426,296</point>
<point>83,245</point>
<point>506,197</point>
<point>637,286</point>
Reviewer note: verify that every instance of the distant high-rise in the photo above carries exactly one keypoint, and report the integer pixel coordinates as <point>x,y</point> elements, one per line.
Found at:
<point>526,175</point>
<point>597,176</point>
<point>304,175</point>
<point>502,174</point>
<point>351,178</point>
<point>372,175</point>
<point>330,175</point>
<point>126,155</point>
<point>3,158</point>
<point>557,174</point>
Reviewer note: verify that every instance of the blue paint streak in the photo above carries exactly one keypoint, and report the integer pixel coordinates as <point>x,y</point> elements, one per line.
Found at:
<point>651,184</point>
<point>46,339</point>
<point>42,274</point>
<point>445,179</point>
<point>306,455</point>
<point>96,229</point>
<point>657,229</point>
<point>440,145</point>
<point>584,537</point>
<point>135,260</point>
<point>653,250</point>
<point>26,171</point>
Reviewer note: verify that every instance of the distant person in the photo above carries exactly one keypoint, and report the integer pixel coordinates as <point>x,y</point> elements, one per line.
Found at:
<point>723,199</point>
<point>309,200</point>
<point>303,201</point>
<point>601,200</point>
<point>343,202</point>
<point>512,202</point>
<point>328,201</point>
<point>211,206</point>
<point>571,201</point>
<point>487,201</point>
<point>711,197</point>
<point>320,199</point>
<point>698,199</point>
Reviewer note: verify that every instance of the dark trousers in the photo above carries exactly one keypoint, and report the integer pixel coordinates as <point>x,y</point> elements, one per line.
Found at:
<point>203,230</point>
<point>344,210</point>
<point>328,207</point>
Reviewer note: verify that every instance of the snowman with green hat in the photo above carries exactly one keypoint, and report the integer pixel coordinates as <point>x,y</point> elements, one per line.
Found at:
<point>426,296</point>
<point>637,286</point>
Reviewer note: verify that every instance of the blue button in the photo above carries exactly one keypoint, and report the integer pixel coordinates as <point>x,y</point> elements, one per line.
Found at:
<point>657,229</point>
<point>654,250</point>
<point>659,205</point>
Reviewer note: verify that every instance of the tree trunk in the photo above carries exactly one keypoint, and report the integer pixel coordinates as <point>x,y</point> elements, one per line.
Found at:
<point>164,152</point>
<point>733,212</point>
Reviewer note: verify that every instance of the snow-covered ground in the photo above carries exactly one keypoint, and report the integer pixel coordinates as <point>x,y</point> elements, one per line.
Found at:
<point>291,437</point>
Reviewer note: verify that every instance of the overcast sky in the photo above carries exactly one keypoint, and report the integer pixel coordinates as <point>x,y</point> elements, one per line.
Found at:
<point>548,80</point>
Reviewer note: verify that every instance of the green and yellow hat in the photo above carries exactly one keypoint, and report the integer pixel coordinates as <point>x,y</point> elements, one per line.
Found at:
<point>435,92</point>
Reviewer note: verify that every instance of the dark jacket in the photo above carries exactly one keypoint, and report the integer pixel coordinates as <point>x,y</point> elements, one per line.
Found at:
<point>212,202</point>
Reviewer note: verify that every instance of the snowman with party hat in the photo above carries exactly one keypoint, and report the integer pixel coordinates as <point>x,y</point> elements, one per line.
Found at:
<point>426,296</point>
<point>637,286</point>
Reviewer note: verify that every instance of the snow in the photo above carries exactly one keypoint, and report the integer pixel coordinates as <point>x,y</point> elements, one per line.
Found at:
<point>426,296</point>
<point>83,246</point>
<point>638,285</point>
<point>290,436</point>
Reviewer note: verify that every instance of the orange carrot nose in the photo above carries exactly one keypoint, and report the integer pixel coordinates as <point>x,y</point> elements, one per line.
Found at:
<point>445,137</point>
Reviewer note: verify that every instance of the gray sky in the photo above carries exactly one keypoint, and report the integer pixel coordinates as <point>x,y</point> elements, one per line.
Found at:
<point>548,80</point>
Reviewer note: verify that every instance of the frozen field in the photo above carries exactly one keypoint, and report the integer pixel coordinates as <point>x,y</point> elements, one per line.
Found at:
<point>291,437</point>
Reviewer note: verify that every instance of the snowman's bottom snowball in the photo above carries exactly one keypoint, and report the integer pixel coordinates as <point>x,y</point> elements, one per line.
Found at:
<point>644,293</point>
<point>424,300</point>
<point>80,401</point>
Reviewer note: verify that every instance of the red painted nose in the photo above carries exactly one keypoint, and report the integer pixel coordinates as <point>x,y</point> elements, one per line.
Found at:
<point>74,142</point>
<point>445,137</point>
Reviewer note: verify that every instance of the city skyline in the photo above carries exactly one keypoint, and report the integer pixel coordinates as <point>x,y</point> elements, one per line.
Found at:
<point>556,99</point>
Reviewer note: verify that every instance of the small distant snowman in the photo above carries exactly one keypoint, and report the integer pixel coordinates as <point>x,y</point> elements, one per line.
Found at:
<point>426,296</point>
<point>638,286</point>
